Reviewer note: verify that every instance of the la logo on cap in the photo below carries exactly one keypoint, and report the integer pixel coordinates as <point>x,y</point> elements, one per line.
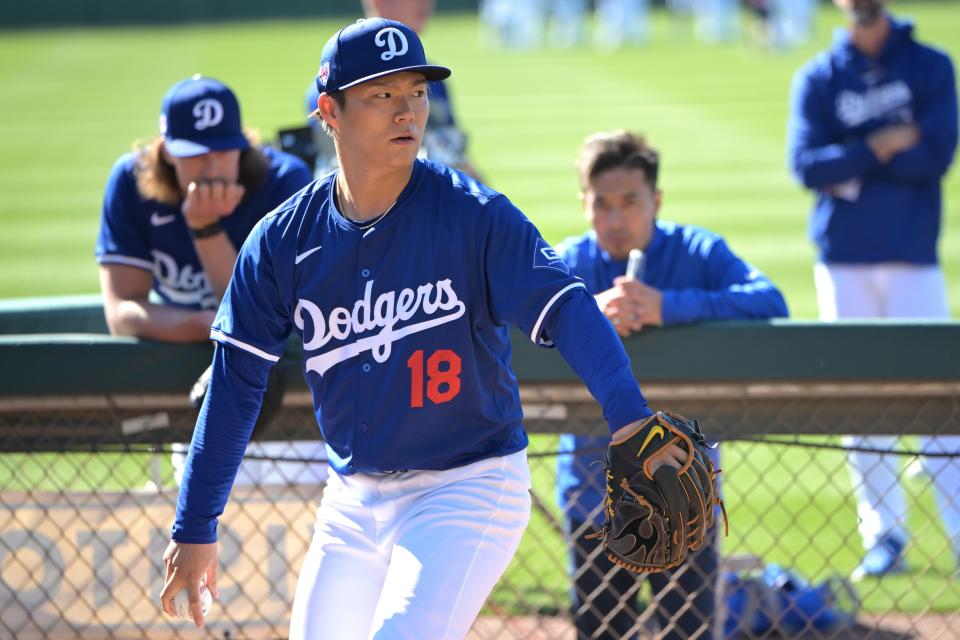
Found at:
<point>391,38</point>
<point>208,113</point>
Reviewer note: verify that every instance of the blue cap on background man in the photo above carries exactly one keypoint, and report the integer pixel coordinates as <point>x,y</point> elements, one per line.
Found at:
<point>200,115</point>
<point>371,48</point>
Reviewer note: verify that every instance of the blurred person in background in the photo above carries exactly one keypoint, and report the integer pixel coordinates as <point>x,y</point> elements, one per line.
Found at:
<point>872,133</point>
<point>513,25</point>
<point>691,275</point>
<point>716,20</point>
<point>791,22</point>
<point>444,141</point>
<point>175,212</point>
<point>783,23</point>
<point>564,23</point>
<point>621,22</point>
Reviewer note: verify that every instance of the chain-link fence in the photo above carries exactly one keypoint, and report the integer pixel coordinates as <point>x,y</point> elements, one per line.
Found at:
<point>88,492</point>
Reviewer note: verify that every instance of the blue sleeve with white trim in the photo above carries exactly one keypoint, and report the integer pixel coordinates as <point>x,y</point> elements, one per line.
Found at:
<point>252,315</point>
<point>591,347</point>
<point>220,438</point>
<point>122,238</point>
<point>524,276</point>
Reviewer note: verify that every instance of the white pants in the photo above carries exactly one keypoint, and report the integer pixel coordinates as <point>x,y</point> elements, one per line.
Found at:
<point>410,555</point>
<point>891,290</point>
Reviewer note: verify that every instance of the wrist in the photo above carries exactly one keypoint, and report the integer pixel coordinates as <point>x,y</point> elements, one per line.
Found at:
<point>212,229</point>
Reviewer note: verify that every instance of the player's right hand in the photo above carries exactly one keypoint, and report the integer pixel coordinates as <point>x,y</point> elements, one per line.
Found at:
<point>891,140</point>
<point>209,200</point>
<point>186,566</point>
<point>629,305</point>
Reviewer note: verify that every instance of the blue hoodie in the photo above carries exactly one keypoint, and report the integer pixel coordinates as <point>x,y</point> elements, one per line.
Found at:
<point>867,212</point>
<point>701,279</point>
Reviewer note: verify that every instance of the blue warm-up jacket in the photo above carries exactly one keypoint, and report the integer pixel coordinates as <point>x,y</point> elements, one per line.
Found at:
<point>701,279</point>
<point>866,212</point>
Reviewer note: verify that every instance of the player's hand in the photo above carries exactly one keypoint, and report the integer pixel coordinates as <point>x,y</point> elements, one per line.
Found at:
<point>187,566</point>
<point>672,455</point>
<point>891,140</point>
<point>209,200</point>
<point>629,305</point>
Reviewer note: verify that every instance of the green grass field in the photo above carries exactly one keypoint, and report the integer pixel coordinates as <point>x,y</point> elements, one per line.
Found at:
<point>72,100</point>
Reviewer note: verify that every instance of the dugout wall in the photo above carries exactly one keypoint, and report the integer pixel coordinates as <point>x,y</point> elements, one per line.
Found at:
<point>87,422</point>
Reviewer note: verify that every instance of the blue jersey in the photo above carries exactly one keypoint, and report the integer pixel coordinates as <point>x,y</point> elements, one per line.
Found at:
<point>866,212</point>
<point>405,334</point>
<point>701,279</point>
<point>404,325</point>
<point>143,233</point>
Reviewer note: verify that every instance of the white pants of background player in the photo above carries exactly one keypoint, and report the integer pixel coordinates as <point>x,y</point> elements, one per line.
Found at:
<point>891,290</point>
<point>410,555</point>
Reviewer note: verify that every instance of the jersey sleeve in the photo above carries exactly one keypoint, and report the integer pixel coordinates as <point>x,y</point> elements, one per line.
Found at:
<point>815,157</point>
<point>122,238</point>
<point>734,290</point>
<point>525,277</point>
<point>223,429</point>
<point>930,158</point>
<point>253,316</point>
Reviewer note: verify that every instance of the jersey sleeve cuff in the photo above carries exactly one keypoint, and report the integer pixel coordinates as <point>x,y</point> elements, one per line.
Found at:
<point>536,336</point>
<point>202,533</point>
<point>621,420</point>
<point>219,336</point>
<point>130,261</point>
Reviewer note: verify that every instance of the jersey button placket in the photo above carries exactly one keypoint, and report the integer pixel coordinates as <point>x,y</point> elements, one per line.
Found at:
<point>366,367</point>
<point>365,273</point>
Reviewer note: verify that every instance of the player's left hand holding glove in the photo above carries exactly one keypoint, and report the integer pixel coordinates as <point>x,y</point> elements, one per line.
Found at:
<point>655,515</point>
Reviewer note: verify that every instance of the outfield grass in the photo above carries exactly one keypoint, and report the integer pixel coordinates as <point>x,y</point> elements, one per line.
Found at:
<point>72,100</point>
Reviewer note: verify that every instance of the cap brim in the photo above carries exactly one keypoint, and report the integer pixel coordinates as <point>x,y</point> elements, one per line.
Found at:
<point>431,71</point>
<point>180,148</point>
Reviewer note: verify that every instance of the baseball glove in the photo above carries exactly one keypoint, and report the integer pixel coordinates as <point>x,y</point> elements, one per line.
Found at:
<point>653,519</point>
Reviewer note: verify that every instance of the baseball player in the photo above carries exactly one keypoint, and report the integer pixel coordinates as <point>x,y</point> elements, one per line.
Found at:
<point>400,276</point>
<point>443,140</point>
<point>690,275</point>
<point>872,132</point>
<point>176,210</point>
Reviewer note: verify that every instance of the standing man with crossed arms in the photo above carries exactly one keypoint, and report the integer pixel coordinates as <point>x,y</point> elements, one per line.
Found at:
<point>691,275</point>
<point>400,276</point>
<point>872,132</point>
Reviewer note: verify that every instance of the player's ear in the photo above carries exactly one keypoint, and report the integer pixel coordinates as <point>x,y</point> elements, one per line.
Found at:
<point>327,110</point>
<point>657,201</point>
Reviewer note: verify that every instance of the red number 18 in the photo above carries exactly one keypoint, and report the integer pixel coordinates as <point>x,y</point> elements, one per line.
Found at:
<point>443,376</point>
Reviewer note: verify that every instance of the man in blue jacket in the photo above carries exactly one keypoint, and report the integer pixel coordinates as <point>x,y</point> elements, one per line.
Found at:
<point>690,276</point>
<point>872,132</point>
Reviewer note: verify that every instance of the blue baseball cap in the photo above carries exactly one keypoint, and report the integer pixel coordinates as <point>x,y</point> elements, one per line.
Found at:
<point>200,115</point>
<point>371,48</point>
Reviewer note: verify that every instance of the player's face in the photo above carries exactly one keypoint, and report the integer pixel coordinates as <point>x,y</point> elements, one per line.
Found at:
<point>622,207</point>
<point>216,165</point>
<point>382,121</point>
<point>413,13</point>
